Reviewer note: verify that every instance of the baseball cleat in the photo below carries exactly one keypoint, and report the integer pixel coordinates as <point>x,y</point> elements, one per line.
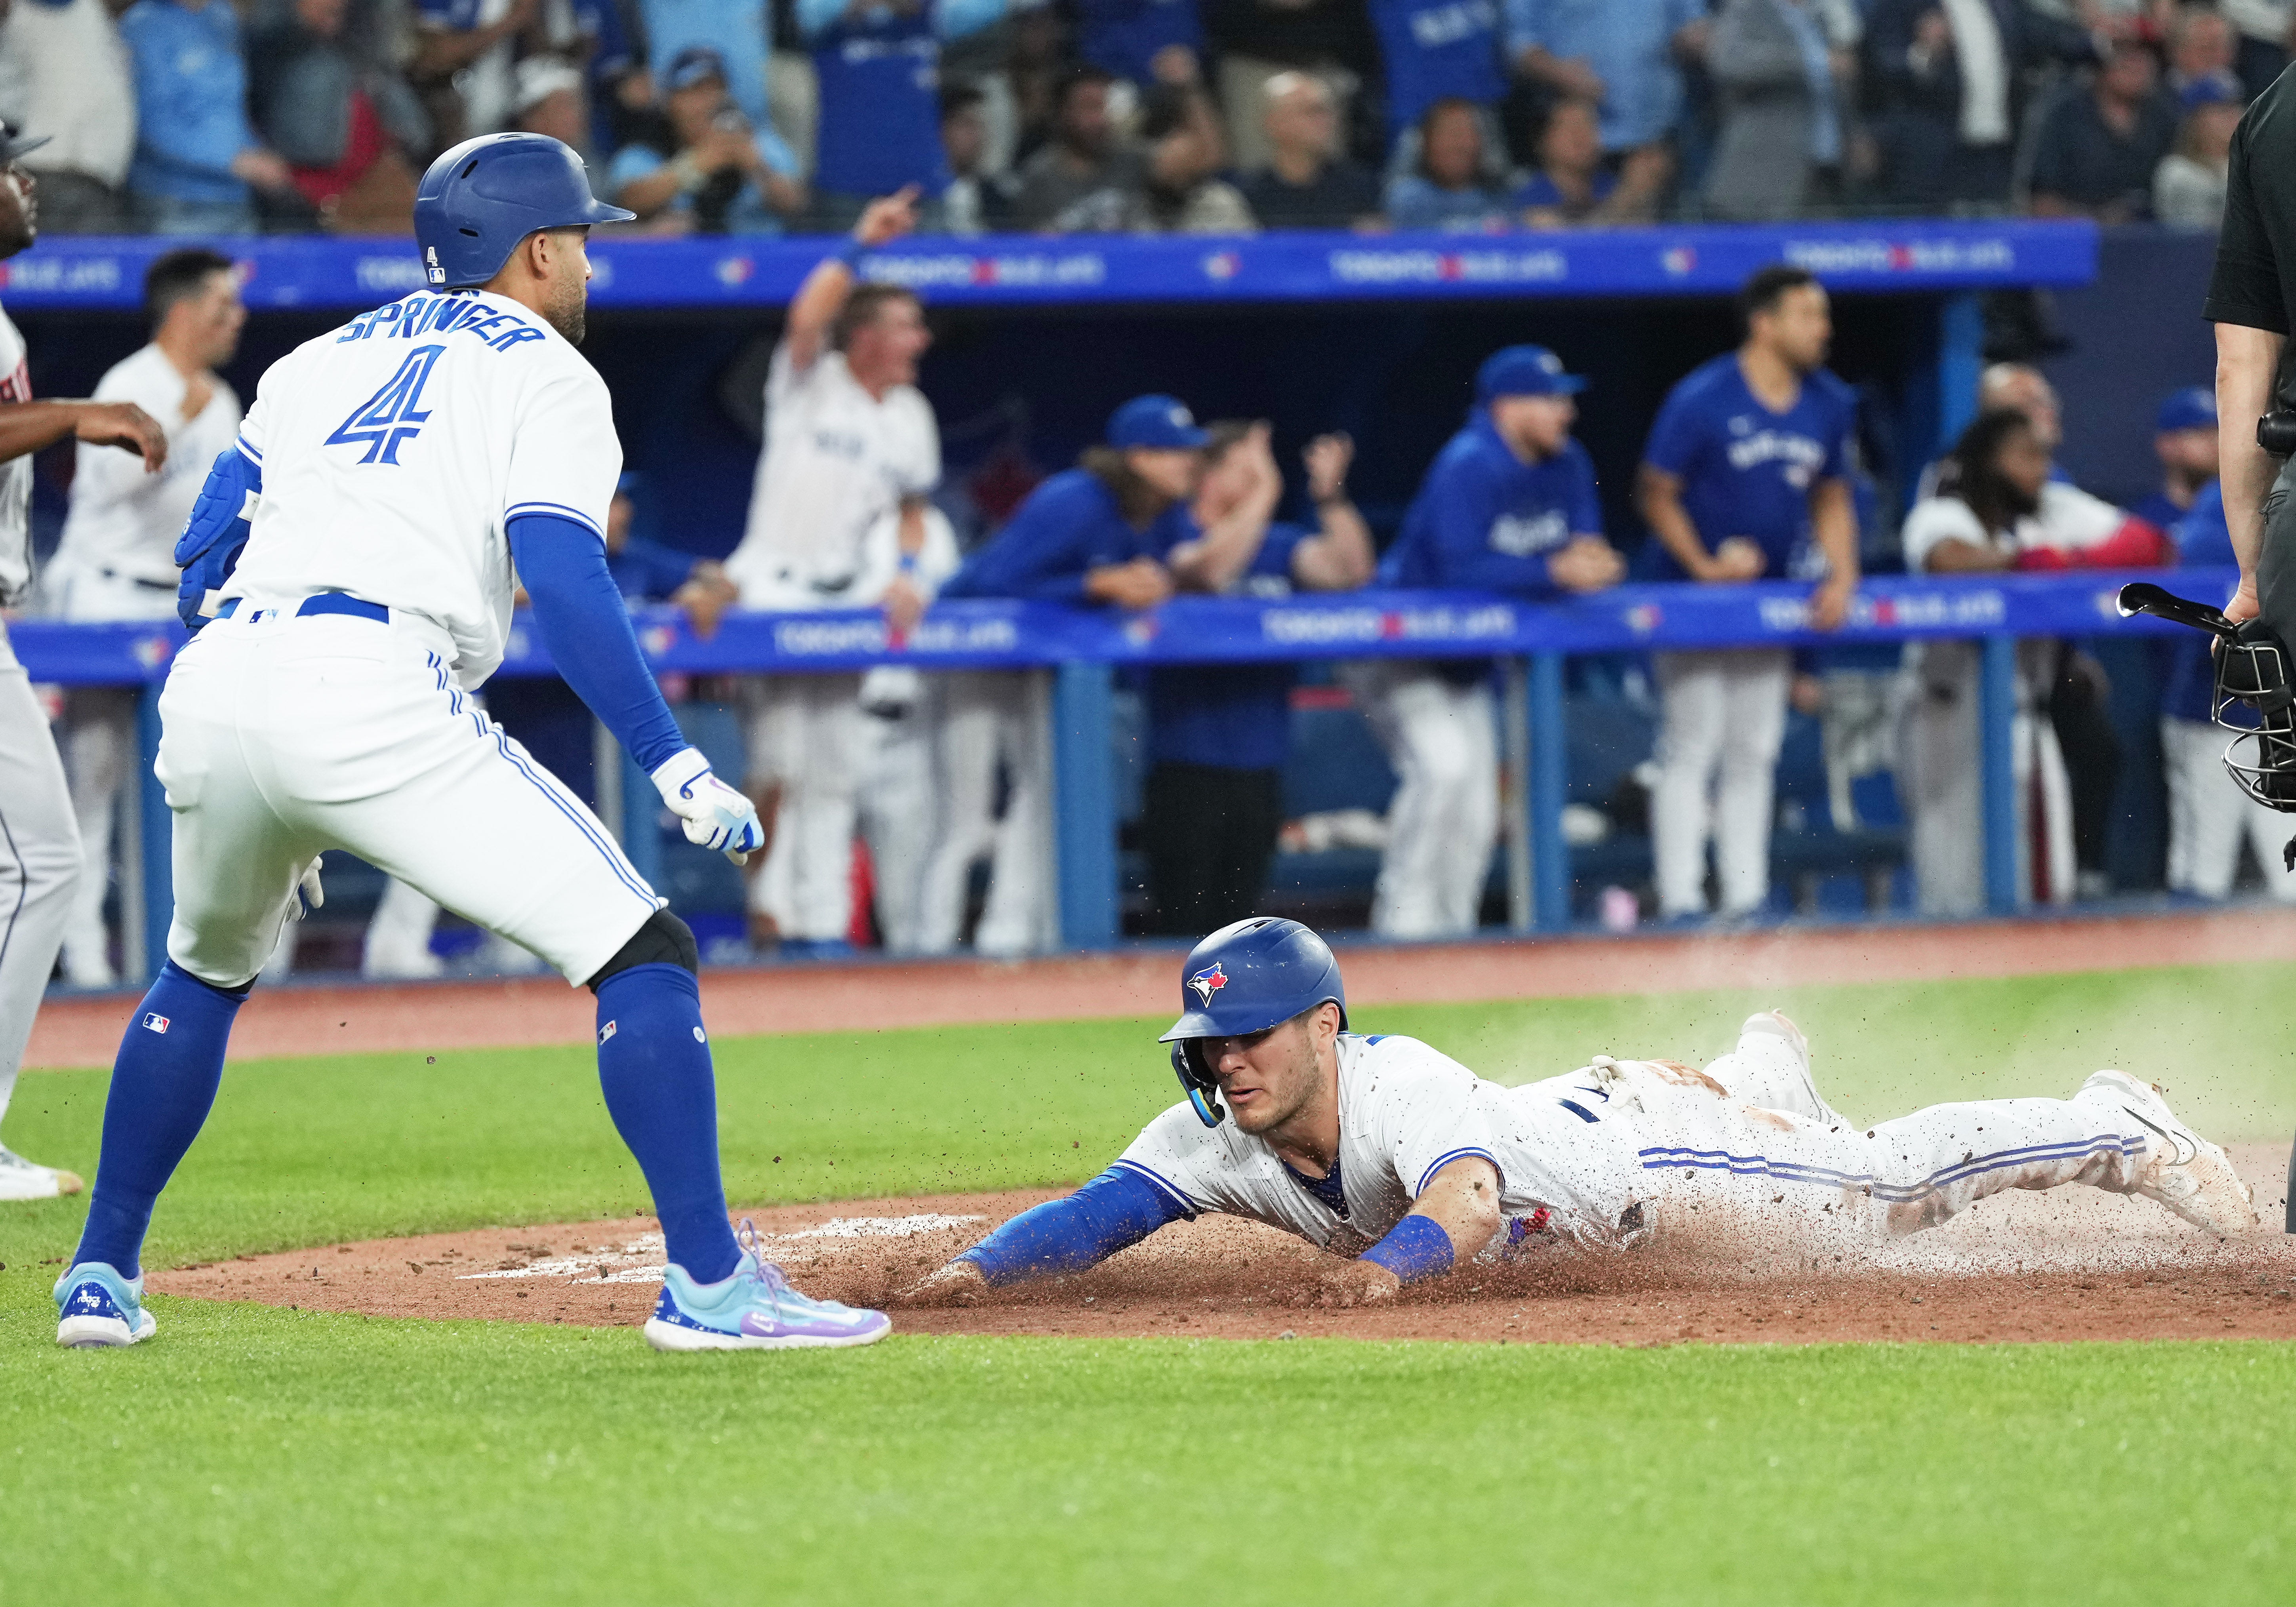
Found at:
<point>21,1179</point>
<point>754,1309</point>
<point>96,1308</point>
<point>2181,1170</point>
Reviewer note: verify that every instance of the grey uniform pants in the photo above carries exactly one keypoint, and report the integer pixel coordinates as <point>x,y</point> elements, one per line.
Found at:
<point>39,861</point>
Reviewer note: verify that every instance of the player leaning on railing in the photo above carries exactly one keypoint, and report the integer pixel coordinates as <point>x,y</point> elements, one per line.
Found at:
<point>349,572</point>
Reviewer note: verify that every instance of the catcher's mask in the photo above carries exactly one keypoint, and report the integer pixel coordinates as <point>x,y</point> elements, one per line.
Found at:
<point>1242,980</point>
<point>2254,696</point>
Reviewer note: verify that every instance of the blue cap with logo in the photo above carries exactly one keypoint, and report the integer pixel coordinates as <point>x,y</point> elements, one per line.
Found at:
<point>694,64</point>
<point>1155,423</point>
<point>2194,407</point>
<point>1524,371</point>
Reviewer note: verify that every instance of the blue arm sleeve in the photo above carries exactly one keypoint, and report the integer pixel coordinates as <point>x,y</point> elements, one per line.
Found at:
<point>1117,1209</point>
<point>586,629</point>
<point>1414,1248</point>
<point>208,549</point>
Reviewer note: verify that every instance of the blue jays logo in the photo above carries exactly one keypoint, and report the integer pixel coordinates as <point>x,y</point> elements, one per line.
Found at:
<point>1208,982</point>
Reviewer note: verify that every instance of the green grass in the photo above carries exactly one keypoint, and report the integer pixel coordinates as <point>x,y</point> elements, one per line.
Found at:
<point>253,1454</point>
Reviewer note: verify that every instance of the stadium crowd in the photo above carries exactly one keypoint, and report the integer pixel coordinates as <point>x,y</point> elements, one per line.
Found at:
<point>1142,116</point>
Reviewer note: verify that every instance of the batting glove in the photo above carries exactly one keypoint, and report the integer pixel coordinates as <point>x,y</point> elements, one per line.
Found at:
<point>308,894</point>
<point>716,815</point>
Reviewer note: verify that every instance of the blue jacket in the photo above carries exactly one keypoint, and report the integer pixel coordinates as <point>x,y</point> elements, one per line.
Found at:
<point>190,100</point>
<point>1485,521</point>
<point>1069,525</point>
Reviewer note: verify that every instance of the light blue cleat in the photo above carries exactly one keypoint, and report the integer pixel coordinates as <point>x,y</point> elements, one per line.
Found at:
<point>754,1309</point>
<point>97,1309</point>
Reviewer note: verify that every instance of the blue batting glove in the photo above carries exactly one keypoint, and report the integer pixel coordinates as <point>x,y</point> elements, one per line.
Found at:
<point>715,815</point>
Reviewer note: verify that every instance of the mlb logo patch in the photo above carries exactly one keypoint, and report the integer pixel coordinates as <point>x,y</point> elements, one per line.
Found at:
<point>605,1033</point>
<point>154,1021</point>
<point>1208,982</point>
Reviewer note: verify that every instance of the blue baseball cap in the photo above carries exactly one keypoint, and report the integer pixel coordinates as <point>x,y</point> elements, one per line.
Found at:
<point>2217,86</point>
<point>1524,371</point>
<point>1155,423</point>
<point>2194,407</point>
<point>692,64</point>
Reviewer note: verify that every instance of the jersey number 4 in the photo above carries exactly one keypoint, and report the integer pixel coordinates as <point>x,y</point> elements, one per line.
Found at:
<point>392,416</point>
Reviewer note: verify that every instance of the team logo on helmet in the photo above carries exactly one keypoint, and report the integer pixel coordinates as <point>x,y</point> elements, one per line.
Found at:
<point>1208,982</point>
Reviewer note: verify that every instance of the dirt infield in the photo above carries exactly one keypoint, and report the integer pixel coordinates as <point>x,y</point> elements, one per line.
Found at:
<point>296,1019</point>
<point>2070,1265</point>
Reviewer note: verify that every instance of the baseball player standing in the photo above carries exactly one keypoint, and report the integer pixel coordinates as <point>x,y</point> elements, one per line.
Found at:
<point>1745,474</point>
<point>39,846</point>
<point>1508,504</point>
<point>353,559</point>
<point>850,440</point>
<point>117,560</point>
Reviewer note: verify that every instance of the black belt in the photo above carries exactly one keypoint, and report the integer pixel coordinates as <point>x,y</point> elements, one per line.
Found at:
<point>138,580</point>
<point>324,602</point>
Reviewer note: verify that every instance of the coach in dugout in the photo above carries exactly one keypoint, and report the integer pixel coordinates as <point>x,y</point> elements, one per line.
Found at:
<point>1507,505</point>
<point>838,519</point>
<point>1745,475</point>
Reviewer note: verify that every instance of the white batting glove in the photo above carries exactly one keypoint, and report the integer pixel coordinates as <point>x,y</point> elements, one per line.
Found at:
<point>308,894</point>
<point>716,815</point>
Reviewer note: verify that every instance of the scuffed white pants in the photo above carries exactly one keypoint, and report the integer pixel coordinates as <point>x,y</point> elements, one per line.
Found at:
<point>39,861</point>
<point>1722,719</point>
<point>805,737</point>
<point>1442,741</point>
<point>2209,816</point>
<point>988,717</point>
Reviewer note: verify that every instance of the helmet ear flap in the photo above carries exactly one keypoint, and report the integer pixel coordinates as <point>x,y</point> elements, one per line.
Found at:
<point>1202,1087</point>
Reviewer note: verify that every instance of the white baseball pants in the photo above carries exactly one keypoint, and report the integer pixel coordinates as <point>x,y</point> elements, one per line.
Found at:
<point>897,806</point>
<point>1442,740</point>
<point>39,861</point>
<point>282,737</point>
<point>1722,719</point>
<point>99,746</point>
<point>805,739</point>
<point>989,718</point>
<point>2209,816</point>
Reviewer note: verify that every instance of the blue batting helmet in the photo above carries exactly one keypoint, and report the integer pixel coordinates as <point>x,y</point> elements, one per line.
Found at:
<point>1245,978</point>
<point>481,198</point>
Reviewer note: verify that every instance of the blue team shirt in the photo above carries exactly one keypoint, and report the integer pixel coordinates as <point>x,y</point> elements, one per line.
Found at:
<point>1069,525</point>
<point>646,571</point>
<point>1746,471</point>
<point>2189,676</point>
<point>2158,511</point>
<point>1235,716</point>
<point>1437,50</point>
<point>191,99</point>
<point>1485,521</point>
<point>1122,36</point>
<point>1630,45</point>
<point>734,28</point>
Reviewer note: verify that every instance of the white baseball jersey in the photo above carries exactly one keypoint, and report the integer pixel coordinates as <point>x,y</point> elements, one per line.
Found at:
<point>1405,1111</point>
<point>836,460</point>
<point>396,449</point>
<point>15,475</point>
<point>124,522</point>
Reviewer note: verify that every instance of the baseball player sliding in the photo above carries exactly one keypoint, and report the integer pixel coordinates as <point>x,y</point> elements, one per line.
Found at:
<point>1384,1150</point>
<point>351,558</point>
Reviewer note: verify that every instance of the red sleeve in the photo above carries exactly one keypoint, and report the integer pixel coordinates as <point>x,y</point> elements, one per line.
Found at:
<point>2134,546</point>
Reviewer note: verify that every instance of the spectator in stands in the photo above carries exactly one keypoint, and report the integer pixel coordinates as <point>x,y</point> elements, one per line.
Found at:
<point>1254,42</point>
<point>1948,85</point>
<point>2185,440</point>
<point>878,66</point>
<point>1508,504</point>
<point>2265,28</point>
<point>976,201</point>
<point>1436,50</point>
<point>2208,818</point>
<point>2202,48</point>
<point>466,63</point>
<point>198,166</point>
<point>1449,186</point>
<point>1308,182</point>
<point>344,124</point>
<point>1570,184</point>
<point>2096,150</point>
<point>1746,474</point>
<point>1781,124</point>
<point>1145,42</point>
<point>64,73</point>
<point>722,177</point>
<point>2004,511</point>
<point>2188,187</point>
<point>1218,735</point>
<point>1089,536</point>
<point>1626,57</point>
<point>1184,194</point>
<point>550,100</point>
<point>1087,179</point>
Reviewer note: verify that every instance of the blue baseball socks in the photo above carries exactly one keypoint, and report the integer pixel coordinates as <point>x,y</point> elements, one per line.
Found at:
<point>653,1063</point>
<point>163,1085</point>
